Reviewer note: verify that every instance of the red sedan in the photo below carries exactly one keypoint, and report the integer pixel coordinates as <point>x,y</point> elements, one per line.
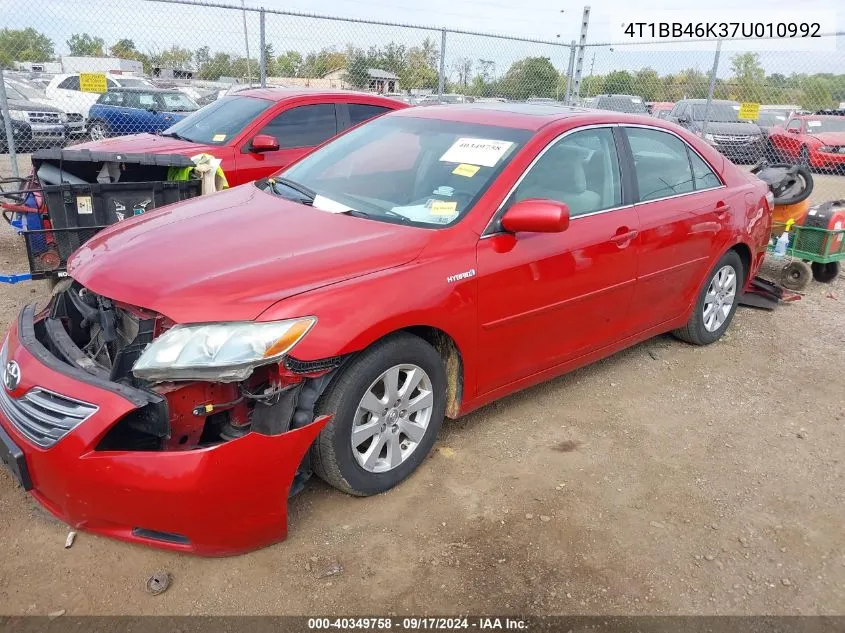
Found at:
<point>812,140</point>
<point>204,359</point>
<point>258,131</point>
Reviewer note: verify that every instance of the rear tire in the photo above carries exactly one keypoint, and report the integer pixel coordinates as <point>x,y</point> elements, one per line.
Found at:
<point>334,457</point>
<point>717,302</point>
<point>825,273</point>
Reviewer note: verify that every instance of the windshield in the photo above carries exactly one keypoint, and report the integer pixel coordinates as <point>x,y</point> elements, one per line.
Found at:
<point>826,124</point>
<point>18,90</point>
<point>178,102</point>
<point>719,112</point>
<point>219,121</point>
<point>128,82</point>
<point>425,172</point>
<point>771,118</point>
<point>630,105</point>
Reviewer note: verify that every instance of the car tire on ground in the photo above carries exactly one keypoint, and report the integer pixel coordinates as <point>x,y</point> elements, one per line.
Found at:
<point>717,302</point>
<point>387,407</point>
<point>825,273</point>
<point>98,130</point>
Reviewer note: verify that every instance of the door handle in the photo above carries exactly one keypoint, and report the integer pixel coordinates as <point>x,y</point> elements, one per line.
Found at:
<point>722,210</point>
<point>623,239</point>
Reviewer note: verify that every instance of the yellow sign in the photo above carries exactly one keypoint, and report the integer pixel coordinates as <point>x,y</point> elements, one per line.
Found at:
<point>749,111</point>
<point>466,170</point>
<point>442,207</point>
<point>92,82</point>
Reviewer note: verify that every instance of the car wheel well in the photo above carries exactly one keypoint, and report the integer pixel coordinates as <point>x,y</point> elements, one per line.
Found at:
<point>744,253</point>
<point>452,361</point>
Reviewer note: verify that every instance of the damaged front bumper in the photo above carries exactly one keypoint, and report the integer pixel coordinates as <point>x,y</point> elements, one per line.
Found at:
<point>217,500</point>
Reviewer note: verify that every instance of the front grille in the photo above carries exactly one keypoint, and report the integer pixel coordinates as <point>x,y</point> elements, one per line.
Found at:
<point>74,117</point>
<point>727,138</point>
<point>45,117</point>
<point>44,417</point>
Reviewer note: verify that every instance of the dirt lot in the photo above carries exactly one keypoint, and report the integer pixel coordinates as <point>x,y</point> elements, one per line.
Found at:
<point>667,479</point>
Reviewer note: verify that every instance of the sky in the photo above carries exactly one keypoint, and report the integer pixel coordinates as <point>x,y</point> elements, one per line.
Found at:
<point>155,26</point>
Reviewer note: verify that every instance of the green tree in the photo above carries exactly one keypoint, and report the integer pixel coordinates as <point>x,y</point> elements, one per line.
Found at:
<point>647,85</point>
<point>357,68</point>
<point>202,57</point>
<point>419,70</point>
<point>323,62</point>
<point>592,85</point>
<point>85,45</point>
<point>289,64</point>
<point>748,77</point>
<point>815,94</point>
<point>173,57</point>
<point>24,45</point>
<point>220,65</point>
<point>270,60</point>
<point>530,77</point>
<point>619,82</point>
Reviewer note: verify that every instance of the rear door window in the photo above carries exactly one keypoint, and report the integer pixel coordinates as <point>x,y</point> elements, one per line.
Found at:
<point>360,112</point>
<point>303,126</point>
<point>703,176</point>
<point>661,163</point>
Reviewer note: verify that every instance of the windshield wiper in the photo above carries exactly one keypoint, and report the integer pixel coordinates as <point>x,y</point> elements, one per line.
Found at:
<point>307,194</point>
<point>371,216</point>
<point>175,135</point>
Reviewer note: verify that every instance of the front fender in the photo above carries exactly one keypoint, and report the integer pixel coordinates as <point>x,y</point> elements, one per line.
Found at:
<point>354,314</point>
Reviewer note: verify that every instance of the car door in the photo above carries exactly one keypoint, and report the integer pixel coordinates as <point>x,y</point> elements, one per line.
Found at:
<point>684,215</point>
<point>298,130</point>
<point>546,298</point>
<point>788,144</point>
<point>162,117</point>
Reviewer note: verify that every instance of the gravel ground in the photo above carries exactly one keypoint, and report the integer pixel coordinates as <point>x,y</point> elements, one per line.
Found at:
<point>666,479</point>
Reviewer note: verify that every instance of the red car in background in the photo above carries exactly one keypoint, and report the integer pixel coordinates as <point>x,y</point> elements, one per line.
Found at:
<point>257,132</point>
<point>817,141</point>
<point>205,358</point>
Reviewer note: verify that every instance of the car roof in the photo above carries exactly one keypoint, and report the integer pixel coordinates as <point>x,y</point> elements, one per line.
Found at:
<point>277,94</point>
<point>527,116</point>
<point>711,101</point>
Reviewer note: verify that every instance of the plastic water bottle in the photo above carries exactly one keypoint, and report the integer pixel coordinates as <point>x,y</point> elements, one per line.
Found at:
<point>782,244</point>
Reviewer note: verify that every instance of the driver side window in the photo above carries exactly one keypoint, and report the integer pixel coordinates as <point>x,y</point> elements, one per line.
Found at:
<point>581,169</point>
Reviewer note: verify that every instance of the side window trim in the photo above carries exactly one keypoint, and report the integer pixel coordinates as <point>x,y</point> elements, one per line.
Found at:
<point>341,112</point>
<point>491,228</point>
<point>689,148</point>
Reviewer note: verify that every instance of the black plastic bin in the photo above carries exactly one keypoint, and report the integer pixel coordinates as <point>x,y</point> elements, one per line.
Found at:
<point>76,206</point>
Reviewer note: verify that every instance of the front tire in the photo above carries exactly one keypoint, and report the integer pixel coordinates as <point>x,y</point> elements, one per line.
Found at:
<point>825,273</point>
<point>387,407</point>
<point>717,302</point>
<point>98,130</point>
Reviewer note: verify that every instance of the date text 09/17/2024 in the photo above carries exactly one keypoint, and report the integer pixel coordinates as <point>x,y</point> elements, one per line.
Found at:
<point>418,623</point>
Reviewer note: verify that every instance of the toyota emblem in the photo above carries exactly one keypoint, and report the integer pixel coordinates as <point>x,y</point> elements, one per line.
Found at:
<point>12,375</point>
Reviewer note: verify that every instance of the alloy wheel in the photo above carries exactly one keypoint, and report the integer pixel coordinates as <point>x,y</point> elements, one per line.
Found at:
<point>720,298</point>
<point>392,418</point>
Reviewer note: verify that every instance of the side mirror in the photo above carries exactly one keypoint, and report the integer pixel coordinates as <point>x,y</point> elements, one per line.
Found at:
<point>536,216</point>
<point>264,143</point>
<point>684,119</point>
<point>793,130</point>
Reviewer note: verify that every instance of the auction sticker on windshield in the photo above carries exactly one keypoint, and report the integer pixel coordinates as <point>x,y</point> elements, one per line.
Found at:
<point>218,138</point>
<point>476,151</point>
<point>468,171</point>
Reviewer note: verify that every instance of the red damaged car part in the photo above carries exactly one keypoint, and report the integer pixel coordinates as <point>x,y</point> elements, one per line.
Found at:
<point>222,497</point>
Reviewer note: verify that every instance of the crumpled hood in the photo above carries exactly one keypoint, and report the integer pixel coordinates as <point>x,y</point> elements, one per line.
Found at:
<point>147,144</point>
<point>831,138</point>
<point>231,255</point>
<point>735,128</point>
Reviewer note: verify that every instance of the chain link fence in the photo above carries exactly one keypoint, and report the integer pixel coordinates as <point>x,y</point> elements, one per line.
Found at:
<point>194,53</point>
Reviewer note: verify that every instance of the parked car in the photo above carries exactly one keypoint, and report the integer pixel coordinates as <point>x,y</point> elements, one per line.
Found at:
<point>25,90</point>
<point>45,125</point>
<point>629,104</point>
<point>122,111</point>
<point>65,90</point>
<point>817,141</point>
<point>771,118</point>
<point>21,134</point>
<point>661,109</point>
<point>257,131</point>
<point>740,141</point>
<point>327,318</point>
